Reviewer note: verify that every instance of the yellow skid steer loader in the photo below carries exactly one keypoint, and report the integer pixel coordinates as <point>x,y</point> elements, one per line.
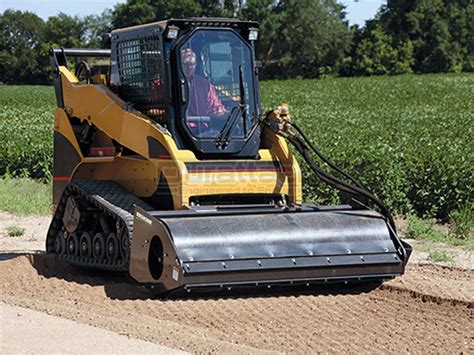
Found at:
<point>166,167</point>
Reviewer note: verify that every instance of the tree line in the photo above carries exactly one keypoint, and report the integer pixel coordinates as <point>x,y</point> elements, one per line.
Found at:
<point>298,38</point>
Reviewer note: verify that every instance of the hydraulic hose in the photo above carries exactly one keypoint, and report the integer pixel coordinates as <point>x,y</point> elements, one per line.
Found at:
<point>323,158</point>
<point>332,180</point>
<point>279,122</point>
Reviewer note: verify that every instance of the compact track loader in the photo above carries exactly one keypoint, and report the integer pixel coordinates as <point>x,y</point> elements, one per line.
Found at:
<point>166,167</point>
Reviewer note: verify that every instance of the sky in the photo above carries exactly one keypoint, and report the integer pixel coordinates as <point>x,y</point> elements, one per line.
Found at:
<point>357,10</point>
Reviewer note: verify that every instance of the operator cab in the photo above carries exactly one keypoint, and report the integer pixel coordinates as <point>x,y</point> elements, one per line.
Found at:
<point>197,78</point>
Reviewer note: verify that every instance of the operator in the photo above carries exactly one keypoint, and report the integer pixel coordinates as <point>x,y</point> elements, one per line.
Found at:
<point>203,100</point>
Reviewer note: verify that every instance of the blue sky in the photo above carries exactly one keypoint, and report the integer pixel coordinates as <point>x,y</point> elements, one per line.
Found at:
<point>357,11</point>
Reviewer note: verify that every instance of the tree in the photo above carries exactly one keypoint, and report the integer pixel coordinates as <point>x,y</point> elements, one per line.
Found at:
<point>177,9</point>
<point>96,27</point>
<point>137,12</point>
<point>212,8</point>
<point>233,8</point>
<point>26,39</point>
<point>133,12</point>
<point>20,47</point>
<point>441,31</point>
<point>312,37</point>
<point>461,27</point>
<point>65,31</point>
<point>437,53</point>
<point>267,14</point>
<point>375,54</point>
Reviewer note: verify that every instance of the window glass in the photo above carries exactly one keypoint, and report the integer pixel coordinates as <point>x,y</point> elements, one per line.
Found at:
<point>217,67</point>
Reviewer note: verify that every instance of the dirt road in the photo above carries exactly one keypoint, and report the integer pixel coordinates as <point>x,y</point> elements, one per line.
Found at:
<point>427,310</point>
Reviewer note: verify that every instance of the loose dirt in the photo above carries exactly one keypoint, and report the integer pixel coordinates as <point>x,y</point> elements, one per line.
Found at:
<point>429,309</point>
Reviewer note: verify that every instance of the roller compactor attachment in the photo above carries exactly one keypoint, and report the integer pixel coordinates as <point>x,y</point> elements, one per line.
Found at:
<point>238,247</point>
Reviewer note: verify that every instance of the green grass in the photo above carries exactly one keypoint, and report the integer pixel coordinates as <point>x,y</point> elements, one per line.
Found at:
<point>426,230</point>
<point>15,231</point>
<point>437,255</point>
<point>437,252</point>
<point>23,196</point>
<point>462,221</point>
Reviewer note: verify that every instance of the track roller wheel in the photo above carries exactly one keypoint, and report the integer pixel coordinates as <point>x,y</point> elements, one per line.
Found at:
<point>59,243</point>
<point>98,244</point>
<point>125,245</point>
<point>85,244</point>
<point>112,247</point>
<point>72,244</point>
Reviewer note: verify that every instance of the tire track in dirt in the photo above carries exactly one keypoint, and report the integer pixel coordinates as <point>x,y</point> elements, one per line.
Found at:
<point>427,310</point>
<point>437,281</point>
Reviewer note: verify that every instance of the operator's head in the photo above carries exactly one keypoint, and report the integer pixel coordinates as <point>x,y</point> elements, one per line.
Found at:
<point>188,58</point>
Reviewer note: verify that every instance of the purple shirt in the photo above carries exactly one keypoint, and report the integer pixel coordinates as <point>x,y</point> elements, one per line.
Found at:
<point>203,100</point>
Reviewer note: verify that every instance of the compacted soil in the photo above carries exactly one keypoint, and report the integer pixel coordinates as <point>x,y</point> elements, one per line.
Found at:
<point>429,309</point>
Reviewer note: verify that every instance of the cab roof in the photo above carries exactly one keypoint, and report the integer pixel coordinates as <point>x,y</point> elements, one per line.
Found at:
<point>195,22</point>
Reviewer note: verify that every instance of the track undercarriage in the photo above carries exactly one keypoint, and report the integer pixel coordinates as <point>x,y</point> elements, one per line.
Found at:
<point>93,225</point>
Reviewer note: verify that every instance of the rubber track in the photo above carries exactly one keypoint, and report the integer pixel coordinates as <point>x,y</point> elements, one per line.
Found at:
<point>113,200</point>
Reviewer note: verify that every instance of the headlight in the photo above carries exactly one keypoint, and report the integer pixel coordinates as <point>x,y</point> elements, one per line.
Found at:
<point>172,32</point>
<point>253,34</point>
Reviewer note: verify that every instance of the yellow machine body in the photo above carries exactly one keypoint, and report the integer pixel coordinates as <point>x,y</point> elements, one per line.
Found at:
<point>141,173</point>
